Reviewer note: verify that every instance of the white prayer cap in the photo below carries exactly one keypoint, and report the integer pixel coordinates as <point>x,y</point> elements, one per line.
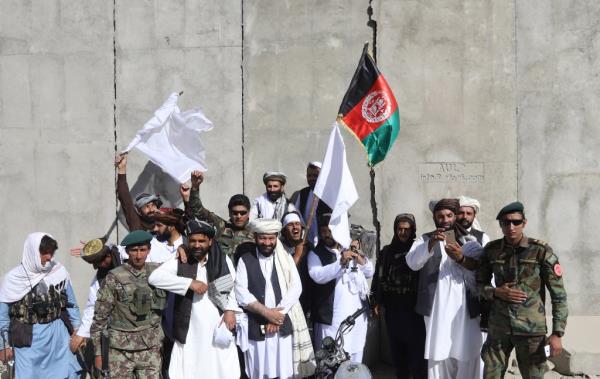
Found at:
<point>274,175</point>
<point>264,226</point>
<point>291,217</point>
<point>315,164</point>
<point>465,201</point>
<point>432,204</point>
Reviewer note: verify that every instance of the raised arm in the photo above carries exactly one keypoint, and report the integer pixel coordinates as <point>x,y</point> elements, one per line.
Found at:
<point>131,216</point>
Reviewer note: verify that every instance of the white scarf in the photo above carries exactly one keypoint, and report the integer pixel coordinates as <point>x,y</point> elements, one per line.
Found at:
<point>21,279</point>
<point>302,349</point>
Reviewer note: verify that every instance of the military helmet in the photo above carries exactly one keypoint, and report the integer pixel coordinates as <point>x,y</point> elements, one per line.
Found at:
<point>95,251</point>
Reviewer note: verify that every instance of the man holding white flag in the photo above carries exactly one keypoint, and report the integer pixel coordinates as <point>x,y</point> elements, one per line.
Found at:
<point>171,139</point>
<point>335,187</point>
<point>340,275</point>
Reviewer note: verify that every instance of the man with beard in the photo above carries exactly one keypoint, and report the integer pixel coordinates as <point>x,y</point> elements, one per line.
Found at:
<point>447,294</point>
<point>467,218</point>
<point>340,288</point>
<point>394,289</point>
<point>230,233</point>
<point>168,231</point>
<point>303,199</point>
<point>104,257</point>
<point>39,309</point>
<point>137,214</point>
<point>272,204</point>
<point>268,287</point>
<point>130,309</point>
<point>204,301</point>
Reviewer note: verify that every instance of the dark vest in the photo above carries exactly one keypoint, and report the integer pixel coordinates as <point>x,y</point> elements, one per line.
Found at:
<point>323,294</point>
<point>321,206</point>
<point>428,279</point>
<point>478,234</point>
<point>182,309</point>
<point>256,286</point>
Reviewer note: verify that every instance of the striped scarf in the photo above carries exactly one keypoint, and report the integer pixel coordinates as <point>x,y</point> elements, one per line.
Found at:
<point>302,349</point>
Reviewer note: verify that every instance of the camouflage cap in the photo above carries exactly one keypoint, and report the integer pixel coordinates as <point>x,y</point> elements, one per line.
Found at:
<point>138,237</point>
<point>95,250</point>
<point>511,208</point>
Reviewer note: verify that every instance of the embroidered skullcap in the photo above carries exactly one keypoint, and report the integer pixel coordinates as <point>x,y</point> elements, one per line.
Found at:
<point>95,250</point>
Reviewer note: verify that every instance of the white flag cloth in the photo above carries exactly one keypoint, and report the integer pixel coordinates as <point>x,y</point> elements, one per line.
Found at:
<point>171,139</point>
<point>336,188</point>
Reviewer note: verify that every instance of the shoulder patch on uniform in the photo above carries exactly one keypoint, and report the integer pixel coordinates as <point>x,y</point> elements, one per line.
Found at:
<point>558,269</point>
<point>538,242</point>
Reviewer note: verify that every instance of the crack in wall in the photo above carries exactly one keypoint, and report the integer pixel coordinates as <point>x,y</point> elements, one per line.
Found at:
<point>115,111</point>
<point>243,89</point>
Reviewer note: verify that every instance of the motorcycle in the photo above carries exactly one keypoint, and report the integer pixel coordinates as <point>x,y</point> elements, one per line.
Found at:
<point>333,362</point>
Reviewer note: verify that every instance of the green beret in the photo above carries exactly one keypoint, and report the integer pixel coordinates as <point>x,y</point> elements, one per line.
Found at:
<point>138,237</point>
<point>511,208</point>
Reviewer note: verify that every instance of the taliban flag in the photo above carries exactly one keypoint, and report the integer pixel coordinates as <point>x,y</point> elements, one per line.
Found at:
<point>370,110</point>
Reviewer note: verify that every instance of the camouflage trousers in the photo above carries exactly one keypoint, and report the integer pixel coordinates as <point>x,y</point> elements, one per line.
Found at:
<point>529,351</point>
<point>140,364</point>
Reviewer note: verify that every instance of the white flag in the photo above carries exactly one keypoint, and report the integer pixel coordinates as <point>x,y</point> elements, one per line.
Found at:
<point>171,139</point>
<point>335,187</point>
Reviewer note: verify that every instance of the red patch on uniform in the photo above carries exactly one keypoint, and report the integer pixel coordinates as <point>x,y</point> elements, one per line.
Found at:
<point>558,270</point>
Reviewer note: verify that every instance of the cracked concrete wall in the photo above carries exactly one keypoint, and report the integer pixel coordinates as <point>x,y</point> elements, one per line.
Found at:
<point>460,69</point>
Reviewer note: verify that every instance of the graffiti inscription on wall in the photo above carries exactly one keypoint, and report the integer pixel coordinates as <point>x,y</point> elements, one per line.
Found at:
<point>451,172</point>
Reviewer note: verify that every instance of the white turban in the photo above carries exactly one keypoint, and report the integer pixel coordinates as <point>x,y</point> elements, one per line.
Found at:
<point>315,164</point>
<point>291,217</point>
<point>264,226</point>
<point>465,201</point>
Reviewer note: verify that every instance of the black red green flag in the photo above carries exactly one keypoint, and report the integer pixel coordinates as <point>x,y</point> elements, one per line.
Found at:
<point>370,110</point>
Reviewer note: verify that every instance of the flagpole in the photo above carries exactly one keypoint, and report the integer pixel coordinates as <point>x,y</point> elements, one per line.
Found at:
<point>311,213</point>
<point>373,25</point>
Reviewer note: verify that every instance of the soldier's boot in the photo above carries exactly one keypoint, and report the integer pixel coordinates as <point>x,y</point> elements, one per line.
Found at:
<point>531,356</point>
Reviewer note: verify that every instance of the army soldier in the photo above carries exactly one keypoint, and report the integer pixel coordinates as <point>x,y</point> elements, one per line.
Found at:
<point>230,234</point>
<point>130,309</point>
<point>523,268</point>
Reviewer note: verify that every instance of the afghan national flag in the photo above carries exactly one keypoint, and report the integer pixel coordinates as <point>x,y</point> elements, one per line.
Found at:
<point>370,110</point>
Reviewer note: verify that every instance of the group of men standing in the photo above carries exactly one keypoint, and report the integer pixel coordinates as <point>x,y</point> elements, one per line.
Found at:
<point>189,293</point>
<point>456,304</point>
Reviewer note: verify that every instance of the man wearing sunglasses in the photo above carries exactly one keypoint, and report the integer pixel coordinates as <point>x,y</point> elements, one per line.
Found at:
<point>523,268</point>
<point>230,234</point>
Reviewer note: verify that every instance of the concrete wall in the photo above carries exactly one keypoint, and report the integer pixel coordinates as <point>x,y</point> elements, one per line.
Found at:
<point>498,100</point>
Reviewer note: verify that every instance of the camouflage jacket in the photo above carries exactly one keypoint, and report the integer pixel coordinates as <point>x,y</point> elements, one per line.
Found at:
<point>228,237</point>
<point>534,267</point>
<point>118,307</point>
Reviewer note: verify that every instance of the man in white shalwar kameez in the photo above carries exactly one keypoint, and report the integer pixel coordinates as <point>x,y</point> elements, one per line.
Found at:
<point>267,301</point>
<point>446,287</point>
<point>272,204</point>
<point>341,289</point>
<point>204,303</point>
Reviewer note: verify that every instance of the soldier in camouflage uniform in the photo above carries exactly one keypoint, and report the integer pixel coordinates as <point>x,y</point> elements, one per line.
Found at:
<point>230,234</point>
<point>523,268</point>
<point>130,309</point>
